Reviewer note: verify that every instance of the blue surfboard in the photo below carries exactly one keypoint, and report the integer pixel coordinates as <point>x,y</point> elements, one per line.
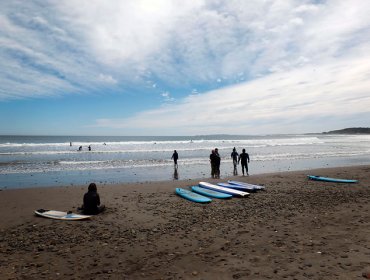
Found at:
<point>328,179</point>
<point>255,187</point>
<point>210,193</point>
<point>237,187</point>
<point>192,196</point>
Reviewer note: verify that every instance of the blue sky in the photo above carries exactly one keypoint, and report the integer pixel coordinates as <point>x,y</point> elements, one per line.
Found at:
<point>177,68</point>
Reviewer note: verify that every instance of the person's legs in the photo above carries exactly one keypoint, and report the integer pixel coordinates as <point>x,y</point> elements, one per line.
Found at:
<point>246,169</point>
<point>235,168</point>
<point>243,168</point>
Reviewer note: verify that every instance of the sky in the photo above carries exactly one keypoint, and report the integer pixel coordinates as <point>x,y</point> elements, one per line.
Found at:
<point>142,67</point>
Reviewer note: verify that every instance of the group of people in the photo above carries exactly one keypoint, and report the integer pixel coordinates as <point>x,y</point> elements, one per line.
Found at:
<point>80,148</point>
<point>243,159</point>
<point>215,160</point>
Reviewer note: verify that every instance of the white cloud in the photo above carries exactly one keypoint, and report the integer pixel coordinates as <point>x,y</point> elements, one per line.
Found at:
<point>107,79</point>
<point>167,97</point>
<point>295,101</point>
<point>167,46</point>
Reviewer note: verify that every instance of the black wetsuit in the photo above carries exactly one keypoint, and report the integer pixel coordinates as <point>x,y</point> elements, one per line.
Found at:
<point>217,165</point>
<point>234,156</point>
<point>91,203</point>
<point>213,160</point>
<point>175,157</point>
<point>244,159</point>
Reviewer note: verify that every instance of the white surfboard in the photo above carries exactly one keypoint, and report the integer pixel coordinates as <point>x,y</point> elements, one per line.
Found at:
<point>256,187</point>
<point>59,215</point>
<point>222,189</point>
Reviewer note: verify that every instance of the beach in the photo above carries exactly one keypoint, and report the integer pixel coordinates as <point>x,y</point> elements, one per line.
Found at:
<point>294,229</point>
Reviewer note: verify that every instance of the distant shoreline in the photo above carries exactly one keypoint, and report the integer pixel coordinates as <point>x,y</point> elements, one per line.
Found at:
<point>352,130</point>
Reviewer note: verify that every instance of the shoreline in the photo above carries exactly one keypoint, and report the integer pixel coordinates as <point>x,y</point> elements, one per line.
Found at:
<point>163,173</point>
<point>296,229</point>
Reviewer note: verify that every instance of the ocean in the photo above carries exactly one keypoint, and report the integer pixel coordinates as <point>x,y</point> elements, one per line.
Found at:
<point>38,161</point>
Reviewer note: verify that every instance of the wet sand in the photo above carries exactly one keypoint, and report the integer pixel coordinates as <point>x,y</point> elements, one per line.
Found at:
<point>295,229</point>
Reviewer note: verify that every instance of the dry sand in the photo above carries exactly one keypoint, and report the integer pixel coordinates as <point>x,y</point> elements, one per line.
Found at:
<point>296,229</point>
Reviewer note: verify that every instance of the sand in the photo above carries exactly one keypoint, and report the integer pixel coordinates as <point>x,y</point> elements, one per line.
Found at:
<point>296,229</point>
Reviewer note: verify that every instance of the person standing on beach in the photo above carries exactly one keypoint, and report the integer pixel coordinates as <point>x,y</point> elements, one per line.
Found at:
<point>217,164</point>
<point>212,160</point>
<point>91,202</point>
<point>244,160</point>
<point>234,156</point>
<point>175,157</point>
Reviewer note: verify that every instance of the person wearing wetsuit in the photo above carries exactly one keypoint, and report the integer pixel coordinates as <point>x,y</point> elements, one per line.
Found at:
<point>213,159</point>
<point>217,164</point>
<point>175,157</point>
<point>244,160</point>
<point>91,202</point>
<point>234,156</point>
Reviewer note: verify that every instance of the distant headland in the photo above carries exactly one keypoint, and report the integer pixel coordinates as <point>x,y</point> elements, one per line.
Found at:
<point>351,130</point>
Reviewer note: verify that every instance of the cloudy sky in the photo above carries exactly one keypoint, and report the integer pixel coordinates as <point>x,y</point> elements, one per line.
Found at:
<point>142,67</point>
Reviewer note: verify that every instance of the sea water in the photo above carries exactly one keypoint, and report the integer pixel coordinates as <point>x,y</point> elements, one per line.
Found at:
<point>36,161</point>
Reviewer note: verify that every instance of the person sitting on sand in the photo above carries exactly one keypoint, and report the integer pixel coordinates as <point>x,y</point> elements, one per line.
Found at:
<point>91,203</point>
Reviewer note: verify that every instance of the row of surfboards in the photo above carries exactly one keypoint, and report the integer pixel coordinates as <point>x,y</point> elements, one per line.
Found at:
<point>204,192</point>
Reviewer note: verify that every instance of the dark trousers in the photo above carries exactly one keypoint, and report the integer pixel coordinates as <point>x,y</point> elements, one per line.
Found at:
<point>244,165</point>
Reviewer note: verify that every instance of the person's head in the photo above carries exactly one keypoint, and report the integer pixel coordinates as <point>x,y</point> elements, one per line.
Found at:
<point>234,150</point>
<point>213,151</point>
<point>174,151</point>
<point>243,150</point>
<point>216,150</point>
<point>92,187</point>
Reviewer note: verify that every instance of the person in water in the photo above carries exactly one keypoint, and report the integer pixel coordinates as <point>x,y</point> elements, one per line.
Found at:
<point>234,156</point>
<point>91,201</point>
<point>244,160</point>
<point>89,147</point>
<point>80,148</point>
<point>175,157</point>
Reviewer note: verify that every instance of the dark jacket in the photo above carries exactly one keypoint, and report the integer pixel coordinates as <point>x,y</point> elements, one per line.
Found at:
<point>91,203</point>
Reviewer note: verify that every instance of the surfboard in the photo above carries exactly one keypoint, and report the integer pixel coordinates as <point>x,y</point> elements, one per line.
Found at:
<point>256,187</point>
<point>192,196</point>
<point>59,215</point>
<point>237,187</point>
<point>222,189</point>
<point>210,193</point>
<point>333,180</point>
